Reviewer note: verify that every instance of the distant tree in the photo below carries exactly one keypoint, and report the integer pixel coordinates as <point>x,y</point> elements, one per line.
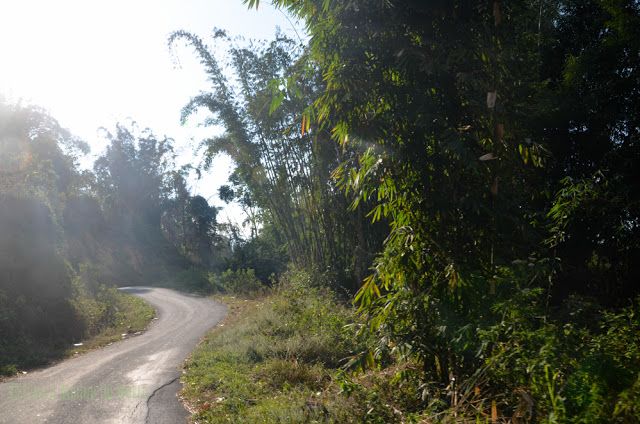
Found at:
<point>189,222</point>
<point>37,155</point>
<point>241,194</point>
<point>131,176</point>
<point>134,183</point>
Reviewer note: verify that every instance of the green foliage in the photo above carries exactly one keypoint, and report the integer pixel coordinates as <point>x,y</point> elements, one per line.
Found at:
<point>93,314</point>
<point>34,283</point>
<point>135,183</point>
<point>500,140</point>
<point>104,311</point>
<point>265,254</point>
<point>282,178</point>
<point>134,218</point>
<point>189,222</point>
<point>191,280</point>
<point>596,263</point>
<point>8,370</point>
<point>278,359</point>
<point>242,281</point>
<point>50,224</point>
<point>264,367</point>
<point>579,371</point>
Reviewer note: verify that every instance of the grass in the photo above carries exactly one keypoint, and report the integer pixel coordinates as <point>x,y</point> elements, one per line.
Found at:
<point>278,359</point>
<point>132,317</point>
<point>106,318</point>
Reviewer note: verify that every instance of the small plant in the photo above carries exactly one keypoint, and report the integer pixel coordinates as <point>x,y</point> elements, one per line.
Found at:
<point>8,370</point>
<point>242,281</point>
<point>282,361</point>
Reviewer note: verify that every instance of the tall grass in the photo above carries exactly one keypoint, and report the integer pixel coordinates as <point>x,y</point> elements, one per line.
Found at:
<point>279,359</point>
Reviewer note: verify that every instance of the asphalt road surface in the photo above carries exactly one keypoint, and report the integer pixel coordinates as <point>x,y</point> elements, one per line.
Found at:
<point>131,381</point>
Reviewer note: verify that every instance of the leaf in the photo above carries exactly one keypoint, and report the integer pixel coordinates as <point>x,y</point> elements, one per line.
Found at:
<point>276,101</point>
<point>491,99</point>
<point>488,156</point>
<point>376,213</point>
<point>368,292</point>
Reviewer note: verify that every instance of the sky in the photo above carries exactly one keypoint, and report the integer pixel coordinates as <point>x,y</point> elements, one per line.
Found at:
<point>94,63</point>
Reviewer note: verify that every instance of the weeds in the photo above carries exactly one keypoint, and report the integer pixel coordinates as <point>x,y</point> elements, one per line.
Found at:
<point>102,315</point>
<point>279,359</point>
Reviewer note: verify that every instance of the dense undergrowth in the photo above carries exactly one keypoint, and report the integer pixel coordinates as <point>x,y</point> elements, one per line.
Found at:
<point>294,354</point>
<point>279,358</point>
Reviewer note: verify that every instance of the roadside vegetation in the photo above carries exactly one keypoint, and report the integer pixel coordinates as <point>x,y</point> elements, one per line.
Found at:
<point>441,216</point>
<point>464,173</point>
<point>68,236</point>
<point>296,353</point>
<point>278,358</point>
<point>99,319</point>
<point>109,315</point>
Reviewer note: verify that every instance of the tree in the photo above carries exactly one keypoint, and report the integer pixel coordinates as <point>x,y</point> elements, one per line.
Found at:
<point>190,223</point>
<point>37,175</point>
<point>282,166</point>
<point>37,155</point>
<point>502,140</point>
<point>134,180</point>
<point>131,176</point>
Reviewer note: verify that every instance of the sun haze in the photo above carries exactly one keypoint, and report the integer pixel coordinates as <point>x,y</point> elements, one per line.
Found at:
<point>92,64</point>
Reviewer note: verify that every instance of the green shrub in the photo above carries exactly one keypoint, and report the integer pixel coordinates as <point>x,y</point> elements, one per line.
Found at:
<point>271,365</point>
<point>191,280</point>
<point>8,370</point>
<point>242,281</point>
<point>548,370</point>
<point>94,304</point>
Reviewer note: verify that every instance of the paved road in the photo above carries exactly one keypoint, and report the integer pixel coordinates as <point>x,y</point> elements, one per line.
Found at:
<point>132,381</point>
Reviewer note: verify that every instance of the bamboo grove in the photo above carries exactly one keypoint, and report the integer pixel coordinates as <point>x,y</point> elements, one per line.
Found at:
<point>488,155</point>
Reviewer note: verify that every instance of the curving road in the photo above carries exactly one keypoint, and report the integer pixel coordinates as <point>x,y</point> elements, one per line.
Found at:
<point>132,381</point>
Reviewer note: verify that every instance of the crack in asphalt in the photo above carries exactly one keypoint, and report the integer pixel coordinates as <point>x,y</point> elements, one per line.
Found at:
<point>146,419</point>
<point>134,410</point>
